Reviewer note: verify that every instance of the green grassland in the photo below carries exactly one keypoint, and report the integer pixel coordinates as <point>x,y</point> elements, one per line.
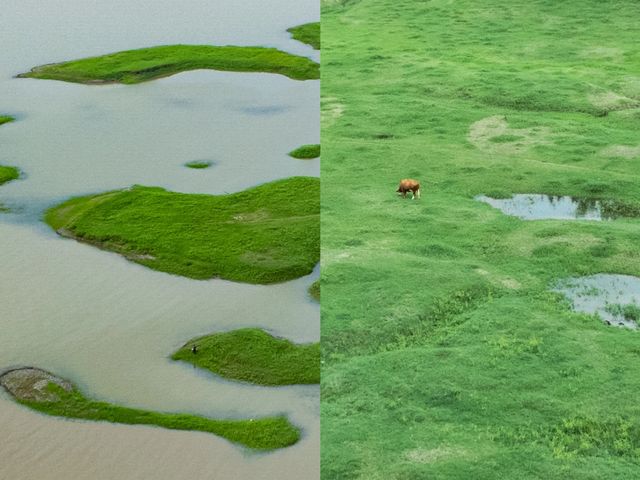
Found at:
<point>445,354</point>
<point>265,234</point>
<point>135,66</point>
<point>263,433</point>
<point>308,33</point>
<point>306,152</point>
<point>252,355</point>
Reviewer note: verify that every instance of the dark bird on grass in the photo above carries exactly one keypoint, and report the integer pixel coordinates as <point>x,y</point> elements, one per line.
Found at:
<point>194,349</point>
<point>409,185</point>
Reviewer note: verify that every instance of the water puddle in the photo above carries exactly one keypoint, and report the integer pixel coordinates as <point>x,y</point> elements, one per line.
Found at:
<point>533,206</point>
<point>614,298</point>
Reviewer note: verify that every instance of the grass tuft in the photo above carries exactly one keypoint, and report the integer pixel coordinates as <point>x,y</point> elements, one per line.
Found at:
<point>306,152</point>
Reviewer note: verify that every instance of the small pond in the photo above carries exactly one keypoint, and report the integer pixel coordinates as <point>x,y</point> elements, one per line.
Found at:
<point>614,298</point>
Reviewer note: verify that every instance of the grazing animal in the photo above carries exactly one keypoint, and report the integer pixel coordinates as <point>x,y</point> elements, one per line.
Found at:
<point>409,184</point>
<point>194,349</point>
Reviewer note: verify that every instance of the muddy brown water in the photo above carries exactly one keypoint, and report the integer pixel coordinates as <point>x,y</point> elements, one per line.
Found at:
<point>533,206</point>
<point>595,294</point>
<point>107,324</point>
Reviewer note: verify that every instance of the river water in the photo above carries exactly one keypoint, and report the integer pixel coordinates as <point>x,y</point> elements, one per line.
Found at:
<point>108,324</point>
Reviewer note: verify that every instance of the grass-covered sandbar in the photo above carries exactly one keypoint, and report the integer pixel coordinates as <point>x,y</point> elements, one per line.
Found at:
<point>266,234</point>
<point>314,290</point>
<point>141,65</point>
<point>308,33</point>
<point>6,119</point>
<point>52,395</point>
<point>8,173</point>
<point>253,355</point>
<point>198,164</point>
<point>306,152</point>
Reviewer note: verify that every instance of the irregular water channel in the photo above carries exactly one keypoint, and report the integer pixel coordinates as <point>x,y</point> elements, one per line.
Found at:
<point>615,298</point>
<point>533,206</point>
<point>107,324</point>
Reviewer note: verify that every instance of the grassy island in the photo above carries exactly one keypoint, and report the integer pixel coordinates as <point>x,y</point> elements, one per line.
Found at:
<point>306,152</point>
<point>308,33</point>
<point>198,164</point>
<point>136,66</point>
<point>252,355</point>
<point>46,393</point>
<point>6,119</point>
<point>265,234</point>
<point>8,173</point>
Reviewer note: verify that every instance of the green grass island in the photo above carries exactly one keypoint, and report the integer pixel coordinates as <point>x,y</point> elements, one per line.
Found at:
<point>306,152</point>
<point>253,355</point>
<point>198,164</point>
<point>46,393</point>
<point>308,33</point>
<point>266,234</point>
<point>7,174</point>
<point>314,290</point>
<point>141,65</point>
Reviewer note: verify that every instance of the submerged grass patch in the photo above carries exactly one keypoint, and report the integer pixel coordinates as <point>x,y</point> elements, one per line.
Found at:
<point>42,391</point>
<point>308,33</point>
<point>306,152</point>
<point>314,290</point>
<point>265,234</point>
<point>252,355</point>
<point>8,173</point>
<point>135,66</point>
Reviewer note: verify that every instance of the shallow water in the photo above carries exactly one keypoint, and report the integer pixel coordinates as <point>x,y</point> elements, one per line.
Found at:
<point>532,206</point>
<point>107,324</point>
<point>592,295</point>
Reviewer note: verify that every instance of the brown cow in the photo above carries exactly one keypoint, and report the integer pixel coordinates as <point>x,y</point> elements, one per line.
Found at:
<point>409,184</point>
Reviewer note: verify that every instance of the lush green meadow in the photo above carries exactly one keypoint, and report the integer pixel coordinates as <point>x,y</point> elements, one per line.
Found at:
<point>445,354</point>
<point>252,355</point>
<point>266,234</point>
<point>263,433</point>
<point>135,66</point>
<point>308,33</point>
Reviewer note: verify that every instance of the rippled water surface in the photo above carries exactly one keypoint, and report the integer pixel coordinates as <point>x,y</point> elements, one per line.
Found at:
<point>108,324</point>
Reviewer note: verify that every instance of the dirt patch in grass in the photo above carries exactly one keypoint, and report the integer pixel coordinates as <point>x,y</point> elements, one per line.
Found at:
<point>494,134</point>
<point>331,111</point>
<point>431,455</point>
<point>622,151</point>
<point>612,101</point>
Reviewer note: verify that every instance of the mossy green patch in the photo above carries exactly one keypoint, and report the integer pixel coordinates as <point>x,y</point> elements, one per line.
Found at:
<point>314,290</point>
<point>62,399</point>
<point>308,33</point>
<point>265,234</point>
<point>252,355</point>
<point>8,173</point>
<point>6,119</point>
<point>198,164</point>
<point>135,66</point>
<point>306,152</point>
